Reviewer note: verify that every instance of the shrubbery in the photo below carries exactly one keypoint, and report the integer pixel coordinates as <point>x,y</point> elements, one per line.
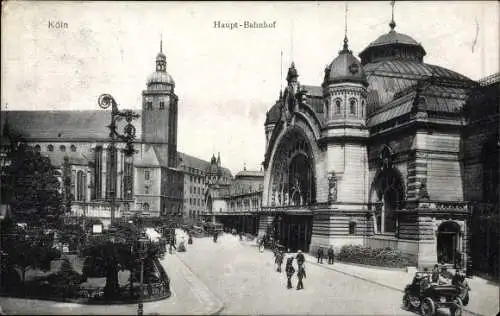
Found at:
<point>383,257</point>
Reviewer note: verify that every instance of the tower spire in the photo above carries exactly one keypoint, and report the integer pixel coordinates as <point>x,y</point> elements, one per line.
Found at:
<point>346,47</point>
<point>392,24</point>
<point>281,73</point>
<point>161,42</point>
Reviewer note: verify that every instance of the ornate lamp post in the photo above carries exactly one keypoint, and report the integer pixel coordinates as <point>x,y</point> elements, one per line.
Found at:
<point>105,101</point>
<point>142,252</point>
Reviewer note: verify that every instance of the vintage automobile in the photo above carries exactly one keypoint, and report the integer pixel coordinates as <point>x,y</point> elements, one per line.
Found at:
<point>428,297</point>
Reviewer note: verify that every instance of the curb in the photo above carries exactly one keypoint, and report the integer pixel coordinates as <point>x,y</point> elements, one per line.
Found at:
<point>219,304</point>
<point>374,282</point>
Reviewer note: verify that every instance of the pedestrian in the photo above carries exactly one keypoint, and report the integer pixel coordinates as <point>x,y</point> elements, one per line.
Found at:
<point>290,270</point>
<point>435,274</point>
<point>320,255</point>
<point>301,274</point>
<point>215,236</point>
<point>279,260</point>
<point>300,258</point>
<point>331,255</point>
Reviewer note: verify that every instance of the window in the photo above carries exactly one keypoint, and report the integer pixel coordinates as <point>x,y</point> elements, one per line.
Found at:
<point>146,175</point>
<point>50,148</point>
<point>352,228</point>
<point>73,148</point>
<point>162,105</point>
<point>337,106</point>
<point>145,207</point>
<point>37,148</point>
<point>62,148</point>
<point>146,189</point>
<point>352,106</point>
<point>80,186</point>
<point>149,105</point>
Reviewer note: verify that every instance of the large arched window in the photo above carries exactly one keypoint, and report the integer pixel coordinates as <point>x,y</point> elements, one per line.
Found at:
<point>98,173</point>
<point>80,186</point>
<point>389,190</point>
<point>111,165</point>
<point>292,175</point>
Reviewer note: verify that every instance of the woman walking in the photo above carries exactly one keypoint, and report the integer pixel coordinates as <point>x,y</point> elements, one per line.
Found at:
<point>290,270</point>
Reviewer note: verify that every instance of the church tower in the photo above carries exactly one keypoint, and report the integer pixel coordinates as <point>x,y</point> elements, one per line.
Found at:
<point>159,111</point>
<point>344,92</point>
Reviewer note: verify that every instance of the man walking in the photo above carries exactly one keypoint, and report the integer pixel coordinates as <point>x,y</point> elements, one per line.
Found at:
<point>331,255</point>
<point>320,255</point>
<point>301,274</point>
<point>300,258</point>
<point>290,270</point>
<point>279,260</point>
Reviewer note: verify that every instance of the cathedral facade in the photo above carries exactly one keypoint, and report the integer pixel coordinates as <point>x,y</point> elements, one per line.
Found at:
<point>373,156</point>
<point>150,182</point>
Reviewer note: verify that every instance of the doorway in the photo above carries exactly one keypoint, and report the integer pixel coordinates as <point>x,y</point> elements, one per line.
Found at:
<point>448,242</point>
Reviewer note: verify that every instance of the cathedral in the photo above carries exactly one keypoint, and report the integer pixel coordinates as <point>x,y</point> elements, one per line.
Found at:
<point>387,152</point>
<point>150,182</point>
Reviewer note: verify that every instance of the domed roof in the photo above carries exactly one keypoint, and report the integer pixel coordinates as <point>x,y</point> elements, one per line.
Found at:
<point>386,45</point>
<point>274,114</point>
<point>345,67</point>
<point>394,37</point>
<point>160,77</point>
<point>161,56</point>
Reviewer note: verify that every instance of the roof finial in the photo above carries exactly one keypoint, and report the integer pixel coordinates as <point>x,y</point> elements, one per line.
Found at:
<point>346,48</point>
<point>281,73</point>
<point>392,24</point>
<point>161,42</point>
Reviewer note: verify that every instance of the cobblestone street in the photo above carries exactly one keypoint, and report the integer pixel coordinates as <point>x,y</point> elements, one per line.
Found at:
<point>247,283</point>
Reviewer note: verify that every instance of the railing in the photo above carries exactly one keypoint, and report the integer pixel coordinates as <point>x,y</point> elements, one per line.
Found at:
<point>150,291</point>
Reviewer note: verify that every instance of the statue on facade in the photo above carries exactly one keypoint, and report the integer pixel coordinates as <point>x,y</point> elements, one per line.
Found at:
<point>332,187</point>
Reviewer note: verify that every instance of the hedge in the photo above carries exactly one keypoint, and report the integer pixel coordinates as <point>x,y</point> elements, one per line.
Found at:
<point>383,257</point>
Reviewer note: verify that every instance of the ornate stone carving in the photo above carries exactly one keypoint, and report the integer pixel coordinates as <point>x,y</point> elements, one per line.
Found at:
<point>332,187</point>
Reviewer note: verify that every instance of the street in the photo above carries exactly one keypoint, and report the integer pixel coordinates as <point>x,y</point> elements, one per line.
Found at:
<point>247,283</point>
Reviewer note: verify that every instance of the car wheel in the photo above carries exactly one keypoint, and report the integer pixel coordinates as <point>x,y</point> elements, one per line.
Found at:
<point>427,307</point>
<point>457,309</point>
<point>406,302</point>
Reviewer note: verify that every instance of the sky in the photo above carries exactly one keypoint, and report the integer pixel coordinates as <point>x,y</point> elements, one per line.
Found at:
<point>226,79</point>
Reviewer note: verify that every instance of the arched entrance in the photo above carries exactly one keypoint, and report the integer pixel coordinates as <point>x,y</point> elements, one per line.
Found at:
<point>389,190</point>
<point>293,190</point>
<point>448,242</point>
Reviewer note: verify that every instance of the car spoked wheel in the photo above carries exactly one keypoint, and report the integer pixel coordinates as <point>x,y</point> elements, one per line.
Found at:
<point>427,308</point>
<point>457,309</point>
<point>406,302</point>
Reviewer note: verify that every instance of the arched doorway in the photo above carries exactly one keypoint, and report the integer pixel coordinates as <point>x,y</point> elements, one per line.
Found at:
<point>448,242</point>
<point>389,190</point>
<point>293,190</point>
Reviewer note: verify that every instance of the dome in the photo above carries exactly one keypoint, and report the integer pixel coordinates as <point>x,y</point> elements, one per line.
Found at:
<point>391,46</point>
<point>345,67</point>
<point>393,37</point>
<point>274,114</point>
<point>161,56</point>
<point>161,77</point>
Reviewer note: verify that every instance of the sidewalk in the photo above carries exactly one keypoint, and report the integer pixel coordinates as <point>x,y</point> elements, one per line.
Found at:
<point>484,296</point>
<point>190,296</point>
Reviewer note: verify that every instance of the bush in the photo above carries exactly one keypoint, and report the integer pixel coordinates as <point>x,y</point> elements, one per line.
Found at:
<point>383,257</point>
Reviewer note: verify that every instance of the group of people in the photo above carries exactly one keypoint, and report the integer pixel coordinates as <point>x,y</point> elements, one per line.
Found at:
<point>441,275</point>
<point>279,256</point>
<point>330,253</point>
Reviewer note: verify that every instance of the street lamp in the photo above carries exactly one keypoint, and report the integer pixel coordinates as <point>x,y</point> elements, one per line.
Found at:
<point>105,101</point>
<point>142,245</point>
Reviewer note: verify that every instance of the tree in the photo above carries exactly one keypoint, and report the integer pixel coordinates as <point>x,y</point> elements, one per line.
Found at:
<point>118,250</point>
<point>27,250</point>
<point>32,187</point>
